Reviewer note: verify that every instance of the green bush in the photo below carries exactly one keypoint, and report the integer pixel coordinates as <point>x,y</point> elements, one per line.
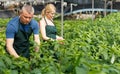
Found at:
<point>89,48</point>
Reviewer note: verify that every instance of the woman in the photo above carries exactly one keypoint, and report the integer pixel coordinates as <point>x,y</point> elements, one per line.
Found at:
<point>47,27</point>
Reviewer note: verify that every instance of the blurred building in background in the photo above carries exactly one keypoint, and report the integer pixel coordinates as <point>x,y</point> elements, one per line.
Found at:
<point>11,7</point>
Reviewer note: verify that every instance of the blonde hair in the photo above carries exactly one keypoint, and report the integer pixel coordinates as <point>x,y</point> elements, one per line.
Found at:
<point>48,8</point>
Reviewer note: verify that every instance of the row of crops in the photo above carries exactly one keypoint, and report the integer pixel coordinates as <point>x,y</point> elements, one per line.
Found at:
<point>90,47</point>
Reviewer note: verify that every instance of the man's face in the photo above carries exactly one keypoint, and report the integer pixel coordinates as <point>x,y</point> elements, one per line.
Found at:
<point>25,17</point>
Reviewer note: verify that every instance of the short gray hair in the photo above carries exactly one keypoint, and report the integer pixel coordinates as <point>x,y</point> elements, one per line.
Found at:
<point>28,8</point>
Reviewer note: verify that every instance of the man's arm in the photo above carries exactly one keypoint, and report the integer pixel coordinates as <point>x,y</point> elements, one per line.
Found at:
<point>10,49</point>
<point>37,40</point>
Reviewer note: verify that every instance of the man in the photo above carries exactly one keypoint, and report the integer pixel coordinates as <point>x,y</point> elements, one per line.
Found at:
<point>18,32</point>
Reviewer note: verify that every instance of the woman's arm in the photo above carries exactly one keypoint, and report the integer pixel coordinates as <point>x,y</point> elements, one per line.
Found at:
<point>42,25</point>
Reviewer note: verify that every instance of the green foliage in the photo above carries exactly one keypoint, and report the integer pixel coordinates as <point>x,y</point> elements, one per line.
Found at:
<point>3,22</point>
<point>89,48</point>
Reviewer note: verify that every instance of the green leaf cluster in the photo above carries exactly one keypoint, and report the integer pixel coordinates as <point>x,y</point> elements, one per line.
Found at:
<point>90,47</point>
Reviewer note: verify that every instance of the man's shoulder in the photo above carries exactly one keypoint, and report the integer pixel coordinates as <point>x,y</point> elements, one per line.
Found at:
<point>33,22</point>
<point>13,24</point>
<point>14,20</point>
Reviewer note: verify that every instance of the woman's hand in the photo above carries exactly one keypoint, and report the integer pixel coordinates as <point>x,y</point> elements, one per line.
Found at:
<point>59,38</point>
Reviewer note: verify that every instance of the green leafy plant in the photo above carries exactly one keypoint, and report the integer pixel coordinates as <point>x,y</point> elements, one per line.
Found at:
<point>88,48</point>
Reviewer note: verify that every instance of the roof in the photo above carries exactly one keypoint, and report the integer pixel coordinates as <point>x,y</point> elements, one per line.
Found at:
<point>117,0</point>
<point>90,9</point>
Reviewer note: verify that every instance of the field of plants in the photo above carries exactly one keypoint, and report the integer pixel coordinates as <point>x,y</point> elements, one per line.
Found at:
<point>89,48</point>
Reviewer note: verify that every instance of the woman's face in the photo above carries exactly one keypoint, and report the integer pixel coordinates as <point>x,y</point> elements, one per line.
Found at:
<point>25,17</point>
<point>50,15</point>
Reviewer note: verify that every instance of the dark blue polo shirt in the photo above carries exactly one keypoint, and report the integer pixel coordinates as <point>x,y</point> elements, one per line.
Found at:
<point>12,27</point>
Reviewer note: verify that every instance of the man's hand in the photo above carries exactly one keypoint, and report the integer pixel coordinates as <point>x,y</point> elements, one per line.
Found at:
<point>37,49</point>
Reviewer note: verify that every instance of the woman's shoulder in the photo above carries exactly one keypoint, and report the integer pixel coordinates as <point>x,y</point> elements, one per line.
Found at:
<point>42,21</point>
